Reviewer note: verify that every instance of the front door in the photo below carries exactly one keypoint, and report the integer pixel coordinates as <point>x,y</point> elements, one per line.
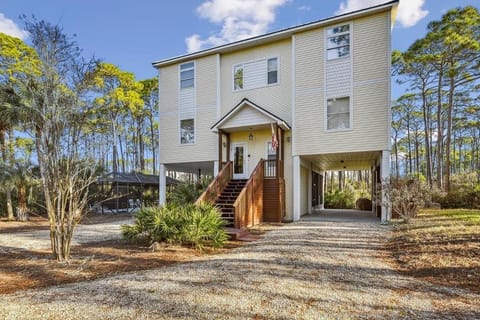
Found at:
<point>239,155</point>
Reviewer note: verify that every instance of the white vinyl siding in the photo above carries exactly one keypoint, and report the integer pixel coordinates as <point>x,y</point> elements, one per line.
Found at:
<point>186,104</point>
<point>247,116</point>
<point>362,76</point>
<point>338,87</point>
<point>203,108</point>
<point>275,98</point>
<point>255,74</point>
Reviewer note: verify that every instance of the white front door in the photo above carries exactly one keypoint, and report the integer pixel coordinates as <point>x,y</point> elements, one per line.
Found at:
<point>238,153</point>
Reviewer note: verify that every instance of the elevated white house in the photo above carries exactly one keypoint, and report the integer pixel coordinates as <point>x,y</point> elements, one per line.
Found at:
<point>278,110</point>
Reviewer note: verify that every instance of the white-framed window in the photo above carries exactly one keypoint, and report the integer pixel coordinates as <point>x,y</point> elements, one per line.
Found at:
<point>272,70</point>
<point>255,74</point>
<point>187,131</point>
<point>338,42</point>
<point>338,113</point>
<point>187,75</point>
<point>238,77</point>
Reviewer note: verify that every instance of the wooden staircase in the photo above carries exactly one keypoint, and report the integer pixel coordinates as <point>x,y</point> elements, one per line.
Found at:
<point>227,198</point>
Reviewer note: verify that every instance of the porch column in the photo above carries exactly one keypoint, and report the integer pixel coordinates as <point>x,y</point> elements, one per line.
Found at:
<point>219,164</point>
<point>323,183</point>
<point>296,188</point>
<point>385,175</point>
<point>163,185</point>
<point>309,196</point>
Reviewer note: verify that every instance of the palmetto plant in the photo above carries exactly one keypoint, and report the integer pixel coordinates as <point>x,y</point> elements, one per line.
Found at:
<point>19,178</point>
<point>197,225</point>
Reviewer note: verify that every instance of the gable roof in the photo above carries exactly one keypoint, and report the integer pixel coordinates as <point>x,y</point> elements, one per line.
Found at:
<point>279,35</point>
<point>265,116</point>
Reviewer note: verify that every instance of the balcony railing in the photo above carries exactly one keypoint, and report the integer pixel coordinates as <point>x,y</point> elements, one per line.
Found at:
<point>273,168</point>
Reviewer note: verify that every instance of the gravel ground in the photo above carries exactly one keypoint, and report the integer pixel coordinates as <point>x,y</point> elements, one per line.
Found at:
<point>312,269</point>
<point>40,239</point>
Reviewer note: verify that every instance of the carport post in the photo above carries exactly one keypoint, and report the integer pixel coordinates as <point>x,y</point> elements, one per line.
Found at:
<point>162,188</point>
<point>296,188</point>
<point>385,175</point>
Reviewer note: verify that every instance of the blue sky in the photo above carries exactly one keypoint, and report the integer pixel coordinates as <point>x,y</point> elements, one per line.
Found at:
<point>133,34</point>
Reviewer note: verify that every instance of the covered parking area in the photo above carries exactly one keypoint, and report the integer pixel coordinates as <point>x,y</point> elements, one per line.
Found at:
<point>309,179</point>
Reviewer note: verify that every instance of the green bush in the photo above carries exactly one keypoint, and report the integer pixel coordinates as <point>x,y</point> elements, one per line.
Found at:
<point>458,197</point>
<point>464,193</point>
<point>188,192</point>
<point>197,225</point>
<point>340,199</point>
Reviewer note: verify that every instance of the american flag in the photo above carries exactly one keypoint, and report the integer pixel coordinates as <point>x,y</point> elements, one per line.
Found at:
<point>274,139</point>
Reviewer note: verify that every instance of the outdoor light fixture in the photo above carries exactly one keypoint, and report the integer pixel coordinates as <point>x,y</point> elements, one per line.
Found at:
<point>250,137</point>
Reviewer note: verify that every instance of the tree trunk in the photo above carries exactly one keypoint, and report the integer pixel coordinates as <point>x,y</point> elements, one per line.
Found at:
<point>154,146</point>
<point>22,209</point>
<point>114,149</point>
<point>449,133</point>
<point>426,122</point>
<point>440,131</point>
<point>121,152</point>
<point>8,193</point>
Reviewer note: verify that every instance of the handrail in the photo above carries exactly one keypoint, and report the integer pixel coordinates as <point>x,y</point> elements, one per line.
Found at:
<point>249,204</point>
<point>215,187</point>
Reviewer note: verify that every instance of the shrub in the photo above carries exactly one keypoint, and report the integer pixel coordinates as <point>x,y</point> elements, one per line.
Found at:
<point>197,225</point>
<point>188,192</point>
<point>340,199</point>
<point>405,197</point>
<point>464,193</point>
<point>363,204</point>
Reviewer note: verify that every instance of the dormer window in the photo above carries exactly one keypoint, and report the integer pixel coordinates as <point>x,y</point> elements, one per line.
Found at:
<point>338,42</point>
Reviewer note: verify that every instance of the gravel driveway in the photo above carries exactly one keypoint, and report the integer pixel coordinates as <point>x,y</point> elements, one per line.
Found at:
<point>325,268</point>
<point>84,233</point>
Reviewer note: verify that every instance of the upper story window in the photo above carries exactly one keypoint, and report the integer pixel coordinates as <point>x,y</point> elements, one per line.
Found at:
<point>272,70</point>
<point>338,42</point>
<point>238,77</point>
<point>187,75</point>
<point>338,113</point>
<point>255,74</point>
<point>187,131</point>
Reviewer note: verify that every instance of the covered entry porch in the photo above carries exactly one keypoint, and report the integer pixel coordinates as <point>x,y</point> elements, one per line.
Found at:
<point>309,179</point>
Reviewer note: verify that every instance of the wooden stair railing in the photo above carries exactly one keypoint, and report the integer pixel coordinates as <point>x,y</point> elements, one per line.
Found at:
<point>249,204</point>
<point>215,187</point>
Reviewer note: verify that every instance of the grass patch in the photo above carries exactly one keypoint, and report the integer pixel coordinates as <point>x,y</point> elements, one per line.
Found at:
<point>441,246</point>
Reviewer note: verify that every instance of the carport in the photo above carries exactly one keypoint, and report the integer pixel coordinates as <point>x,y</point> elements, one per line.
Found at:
<point>309,172</point>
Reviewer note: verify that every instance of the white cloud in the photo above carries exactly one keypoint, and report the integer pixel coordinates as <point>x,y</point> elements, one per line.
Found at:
<point>409,12</point>
<point>240,19</point>
<point>9,27</point>
<point>304,8</point>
